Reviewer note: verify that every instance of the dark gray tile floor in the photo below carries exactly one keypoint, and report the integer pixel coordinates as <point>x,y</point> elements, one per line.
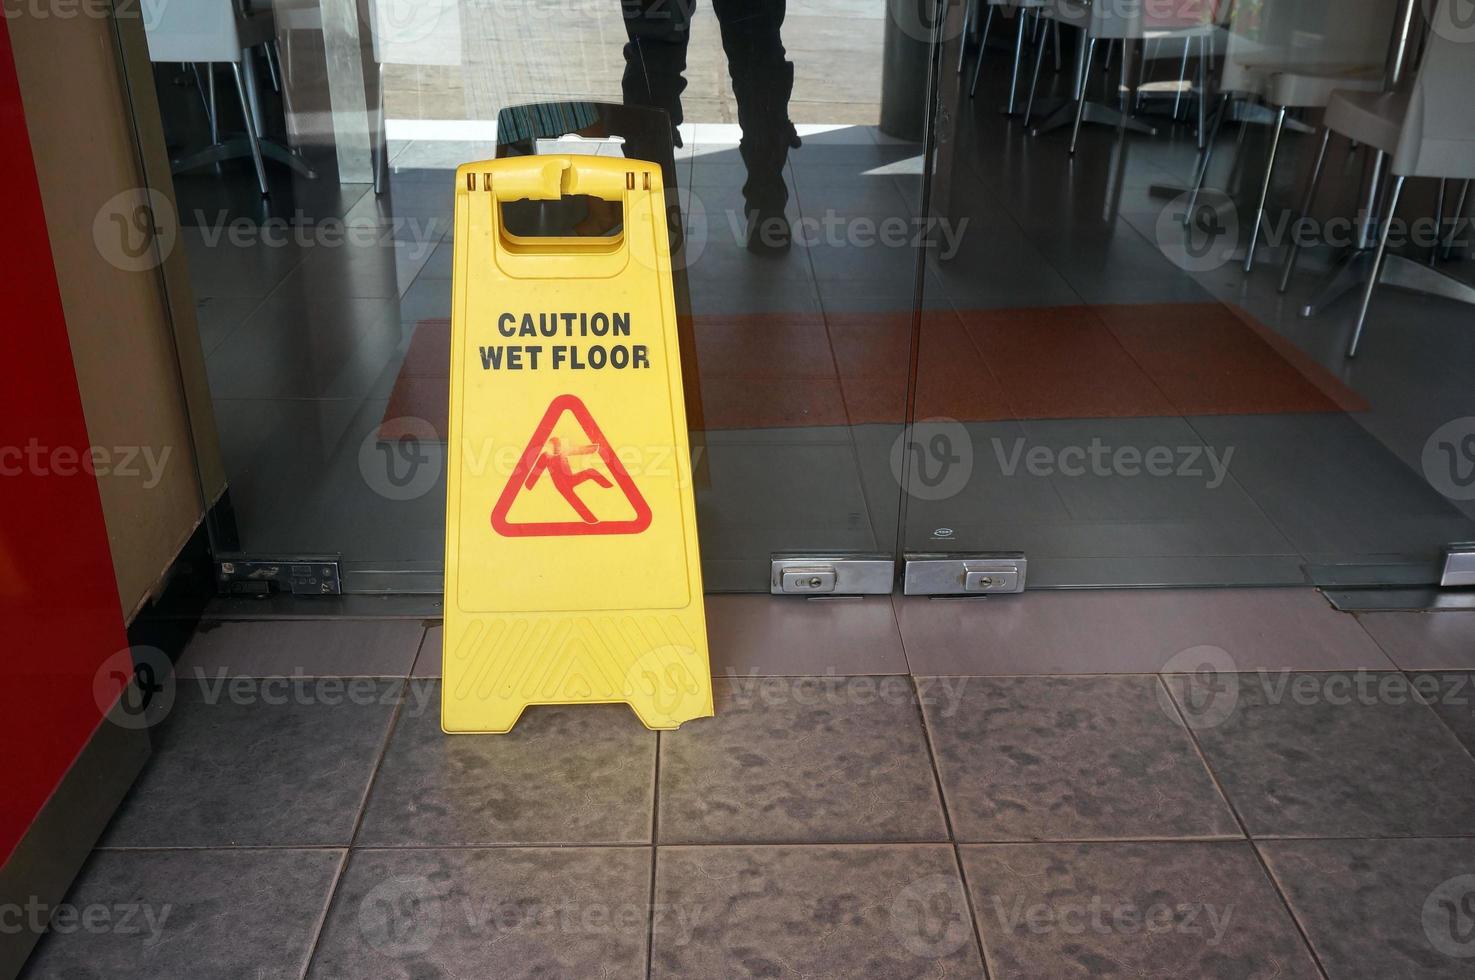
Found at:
<point>1452,696</point>
<point>1390,909</point>
<point>1223,824</point>
<point>184,914</point>
<point>564,775</point>
<point>542,912</point>
<point>1204,910</point>
<point>245,762</point>
<point>814,910</point>
<point>1425,641</point>
<point>802,759</point>
<point>1331,754</point>
<point>1070,758</point>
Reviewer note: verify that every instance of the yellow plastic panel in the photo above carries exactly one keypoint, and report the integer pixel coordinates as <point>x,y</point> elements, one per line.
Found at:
<point>572,569</point>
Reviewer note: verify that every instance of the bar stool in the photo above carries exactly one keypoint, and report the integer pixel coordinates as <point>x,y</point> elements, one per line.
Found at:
<point>1351,54</point>
<point>1304,50</point>
<point>1197,23</point>
<point>218,32</point>
<point>1101,20</point>
<point>1025,13</point>
<point>1427,129</point>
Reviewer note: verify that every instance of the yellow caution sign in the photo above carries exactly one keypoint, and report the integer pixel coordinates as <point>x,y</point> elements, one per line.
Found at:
<point>572,570</point>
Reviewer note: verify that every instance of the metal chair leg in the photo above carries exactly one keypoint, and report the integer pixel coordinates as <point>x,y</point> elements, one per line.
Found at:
<point>1454,225</point>
<point>381,143</point>
<point>1295,247</point>
<point>1280,122</point>
<point>206,83</point>
<point>1203,88</point>
<point>1232,180</point>
<point>271,66</point>
<point>1208,155</point>
<point>1149,54</point>
<point>1377,270</point>
<point>982,50</point>
<point>252,132</point>
<point>1124,82</point>
<point>1018,63</point>
<point>1438,222</point>
<point>1075,133</point>
<point>968,6</point>
<point>1034,80</point>
<point>1182,78</point>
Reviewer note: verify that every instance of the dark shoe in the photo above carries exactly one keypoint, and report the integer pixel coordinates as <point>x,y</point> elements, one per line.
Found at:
<point>768,232</point>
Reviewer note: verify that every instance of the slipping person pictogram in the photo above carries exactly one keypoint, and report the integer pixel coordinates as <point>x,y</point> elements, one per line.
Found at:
<point>555,456</point>
<point>555,462</point>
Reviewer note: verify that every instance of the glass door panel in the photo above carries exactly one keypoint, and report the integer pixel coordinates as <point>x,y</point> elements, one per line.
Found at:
<point>1102,386</point>
<point>323,305</point>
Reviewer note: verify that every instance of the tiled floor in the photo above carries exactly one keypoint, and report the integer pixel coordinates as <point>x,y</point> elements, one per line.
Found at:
<point>1298,808</point>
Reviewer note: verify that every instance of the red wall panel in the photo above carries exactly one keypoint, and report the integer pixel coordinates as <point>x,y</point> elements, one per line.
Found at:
<point>60,618</point>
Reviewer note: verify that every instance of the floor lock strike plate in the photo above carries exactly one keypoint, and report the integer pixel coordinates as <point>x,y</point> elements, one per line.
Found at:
<point>832,575</point>
<point>981,574</point>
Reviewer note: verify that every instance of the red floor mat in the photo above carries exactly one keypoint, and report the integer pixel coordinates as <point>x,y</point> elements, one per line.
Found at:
<point>808,369</point>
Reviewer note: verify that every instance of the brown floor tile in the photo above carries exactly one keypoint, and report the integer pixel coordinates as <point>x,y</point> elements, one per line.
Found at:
<point>797,760</point>
<point>494,912</point>
<point>248,914</point>
<point>1170,910</point>
<point>311,648</point>
<point>582,774</point>
<point>1390,909</point>
<point>890,912</point>
<point>1130,631</point>
<point>1069,758</point>
<point>1452,696</point>
<point>1330,754</point>
<point>756,634</point>
<point>1424,641</point>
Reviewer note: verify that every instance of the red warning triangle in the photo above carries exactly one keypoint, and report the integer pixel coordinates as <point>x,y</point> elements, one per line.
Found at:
<point>549,459</point>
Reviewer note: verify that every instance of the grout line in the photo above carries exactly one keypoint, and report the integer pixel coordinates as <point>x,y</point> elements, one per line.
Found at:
<point>1295,919</point>
<point>322,923</point>
<point>1444,722</point>
<point>419,651</point>
<point>404,688</point>
<point>947,822</point>
<point>1203,758</point>
<point>389,732</point>
<point>655,817</point>
<point>1244,828</point>
<point>880,842</point>
<point>894,599</point>
<point>972,912</point>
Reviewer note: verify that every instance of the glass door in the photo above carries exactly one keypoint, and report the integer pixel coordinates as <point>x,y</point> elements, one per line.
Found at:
<point>313,144</point>
<point>1110,382</point>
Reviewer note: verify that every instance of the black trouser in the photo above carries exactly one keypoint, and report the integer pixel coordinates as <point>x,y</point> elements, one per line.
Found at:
<point>762,78</point>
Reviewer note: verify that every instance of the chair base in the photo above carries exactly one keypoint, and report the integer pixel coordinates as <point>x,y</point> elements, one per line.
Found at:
<point>1243,112</point>
<point>1398,270</point>
<point>238,147</point>
<point>1095,112</point>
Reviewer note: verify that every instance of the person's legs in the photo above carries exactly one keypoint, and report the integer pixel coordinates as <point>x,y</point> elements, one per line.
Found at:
<point>655,55</point>
<point>762,82</point>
